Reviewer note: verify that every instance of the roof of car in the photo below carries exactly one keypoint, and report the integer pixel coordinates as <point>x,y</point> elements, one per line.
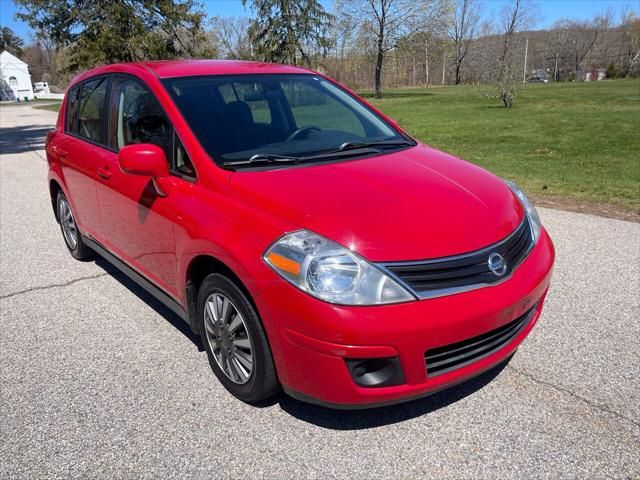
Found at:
<point>179,68</point>
<point>186,68</point>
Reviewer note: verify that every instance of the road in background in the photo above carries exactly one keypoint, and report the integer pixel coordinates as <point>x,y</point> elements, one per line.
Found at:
<point>98,379</point>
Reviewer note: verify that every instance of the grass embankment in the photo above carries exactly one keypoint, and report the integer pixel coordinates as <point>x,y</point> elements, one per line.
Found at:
<point>572,141</point>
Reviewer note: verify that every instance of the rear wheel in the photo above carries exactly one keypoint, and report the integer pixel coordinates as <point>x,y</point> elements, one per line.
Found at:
<point>72,238</point>
<point>235,341</point>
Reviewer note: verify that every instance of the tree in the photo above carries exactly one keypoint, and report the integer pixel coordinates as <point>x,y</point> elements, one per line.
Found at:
<point>631,42</point>
<point>581,37</point>
<point>461,30</point>
<point>118,30</point>
<point>230,35</point>
<point>506,76</point>
<point>389,21</point>
<point>289,31</point>
<point>11,42</point>
<point>556,44</point>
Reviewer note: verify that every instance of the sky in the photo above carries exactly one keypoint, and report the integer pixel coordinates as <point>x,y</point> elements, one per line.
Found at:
<point>549,10</point>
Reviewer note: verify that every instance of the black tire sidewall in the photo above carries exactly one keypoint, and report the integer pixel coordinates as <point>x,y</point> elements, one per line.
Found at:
<point>263,381</point>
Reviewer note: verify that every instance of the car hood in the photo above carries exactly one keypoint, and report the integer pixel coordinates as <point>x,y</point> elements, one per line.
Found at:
<point>414,204</point>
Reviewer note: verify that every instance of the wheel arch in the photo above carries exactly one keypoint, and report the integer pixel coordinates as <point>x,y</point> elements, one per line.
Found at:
<point>54,189</point>
<point>198,269</point>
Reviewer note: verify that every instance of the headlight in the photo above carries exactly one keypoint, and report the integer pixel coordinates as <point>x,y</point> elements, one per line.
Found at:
<point>331,272</point>
<point>530,209</point>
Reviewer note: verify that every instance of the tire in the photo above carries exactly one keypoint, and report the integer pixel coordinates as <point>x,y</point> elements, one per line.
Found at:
<point>70,232</point>
<point>231,334</point>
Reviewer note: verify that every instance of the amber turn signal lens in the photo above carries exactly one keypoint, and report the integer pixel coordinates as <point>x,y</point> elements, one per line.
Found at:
<point>284,264</point>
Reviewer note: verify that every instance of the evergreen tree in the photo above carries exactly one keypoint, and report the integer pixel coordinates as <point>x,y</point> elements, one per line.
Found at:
<point>111,31</point>
<point>10,42</point>
<point>289,31</point>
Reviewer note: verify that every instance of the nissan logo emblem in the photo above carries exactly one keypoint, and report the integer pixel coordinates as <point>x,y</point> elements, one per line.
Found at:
<point>497,264</point>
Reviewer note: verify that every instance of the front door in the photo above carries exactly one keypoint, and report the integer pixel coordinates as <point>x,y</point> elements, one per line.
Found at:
<point>138,223</point>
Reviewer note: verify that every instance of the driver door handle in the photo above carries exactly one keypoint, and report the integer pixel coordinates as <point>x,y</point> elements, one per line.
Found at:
<point>104,172</point>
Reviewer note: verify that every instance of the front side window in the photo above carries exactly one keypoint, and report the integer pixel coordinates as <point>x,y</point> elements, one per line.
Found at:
<point>139,118</point>
<point>91,108</point>
<point>241,117</point>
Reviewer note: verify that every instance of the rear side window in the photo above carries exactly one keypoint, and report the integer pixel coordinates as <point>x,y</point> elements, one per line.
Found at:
<point>71,120</point>
<point>91,110</point>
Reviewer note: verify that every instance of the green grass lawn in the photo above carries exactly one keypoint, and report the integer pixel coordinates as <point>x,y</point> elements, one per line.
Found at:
<point>575,140</point>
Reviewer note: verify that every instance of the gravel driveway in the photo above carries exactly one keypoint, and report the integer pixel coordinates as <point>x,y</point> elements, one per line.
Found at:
<point>97,379</point>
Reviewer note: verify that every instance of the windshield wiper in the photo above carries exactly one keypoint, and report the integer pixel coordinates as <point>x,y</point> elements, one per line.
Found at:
<point>263,158</point>
<point>343,150</point>
<point>383,143</point>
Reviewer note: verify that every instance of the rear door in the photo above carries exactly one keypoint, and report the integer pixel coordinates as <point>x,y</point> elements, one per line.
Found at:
<point>81,150</point>
<point>137,221</point>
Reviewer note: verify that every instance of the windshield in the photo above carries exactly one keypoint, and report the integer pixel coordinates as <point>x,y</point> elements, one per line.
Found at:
<point>239,118</point>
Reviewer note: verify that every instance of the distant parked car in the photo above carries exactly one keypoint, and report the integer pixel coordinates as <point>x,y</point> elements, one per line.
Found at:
<point>537,80</point>
<point>310,241</point>
<point>40,87</point>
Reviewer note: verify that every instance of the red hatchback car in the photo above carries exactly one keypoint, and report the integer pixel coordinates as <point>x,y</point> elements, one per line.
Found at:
<point>310,242</point>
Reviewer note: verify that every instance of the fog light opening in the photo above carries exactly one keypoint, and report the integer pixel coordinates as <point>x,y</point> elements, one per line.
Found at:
<point>376,372</point>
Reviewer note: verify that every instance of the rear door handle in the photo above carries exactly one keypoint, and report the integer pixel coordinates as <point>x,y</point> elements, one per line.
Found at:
<point>60,152</point>
<point>104,172</point>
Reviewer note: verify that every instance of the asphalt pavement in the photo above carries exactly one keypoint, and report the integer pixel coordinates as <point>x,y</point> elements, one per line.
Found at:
<point>99,380</point>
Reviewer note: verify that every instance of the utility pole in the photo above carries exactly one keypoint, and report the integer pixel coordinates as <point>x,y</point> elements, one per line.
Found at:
<point>526,50</point>
<point>426,59</point>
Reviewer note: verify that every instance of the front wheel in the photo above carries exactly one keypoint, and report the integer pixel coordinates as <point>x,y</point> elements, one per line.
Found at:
<point>235,341</point>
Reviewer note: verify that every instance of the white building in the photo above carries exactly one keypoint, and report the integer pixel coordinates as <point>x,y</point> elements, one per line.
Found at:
<point>16,73</point>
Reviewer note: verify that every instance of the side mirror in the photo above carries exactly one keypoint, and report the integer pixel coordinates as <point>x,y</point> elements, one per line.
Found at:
<point>144,159</point>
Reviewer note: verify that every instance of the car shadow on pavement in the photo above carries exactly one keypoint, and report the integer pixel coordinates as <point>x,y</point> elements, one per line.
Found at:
<point>151,301</point>
<point>23,139</point>
<point>377,417</point>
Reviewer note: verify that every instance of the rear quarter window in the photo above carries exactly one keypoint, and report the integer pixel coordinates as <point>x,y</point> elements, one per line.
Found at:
<point>71,112</point>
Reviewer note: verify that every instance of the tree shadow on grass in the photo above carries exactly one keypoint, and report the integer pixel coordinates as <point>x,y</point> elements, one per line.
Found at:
<point>406,93</point>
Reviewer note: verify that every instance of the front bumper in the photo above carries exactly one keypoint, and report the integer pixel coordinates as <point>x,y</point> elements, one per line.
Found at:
<point>312,339</point>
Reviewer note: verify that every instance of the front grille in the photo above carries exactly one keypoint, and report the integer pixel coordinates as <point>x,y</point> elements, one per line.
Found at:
<point>449,357</point>
<point>448,275</point>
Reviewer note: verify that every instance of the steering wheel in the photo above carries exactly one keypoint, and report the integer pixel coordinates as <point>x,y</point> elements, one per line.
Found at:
<point>300,131</point>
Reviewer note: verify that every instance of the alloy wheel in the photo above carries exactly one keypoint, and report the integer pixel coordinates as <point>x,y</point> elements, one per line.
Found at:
<point>228,338</point>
